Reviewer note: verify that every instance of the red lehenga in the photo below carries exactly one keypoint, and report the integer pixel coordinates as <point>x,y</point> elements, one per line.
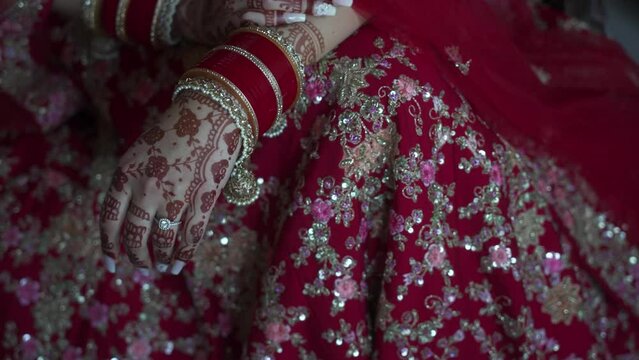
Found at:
<point>394,221</point>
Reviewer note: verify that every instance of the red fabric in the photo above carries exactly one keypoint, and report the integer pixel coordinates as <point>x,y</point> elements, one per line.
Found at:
<point>249,79</point>
<point>108,12</point>
<point>139,20</point>
<point>274,59</point>
<point>587,115</point>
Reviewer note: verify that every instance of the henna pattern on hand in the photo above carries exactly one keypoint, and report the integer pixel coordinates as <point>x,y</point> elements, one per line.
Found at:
<point>119,179</point>
<point>232,141</point>
<point>106,245</point>
<point>307,40</point>
<point>173,209</point>
<point>187,125</point>
<point>139,212</point>
<point>110,208</point>
<point>133,235</point>
<point>197,231</point>
<point>153,135</point>
<point>208,200</point>
<point>218,170</point>
<point>186,254</point>
<point>163,238</point>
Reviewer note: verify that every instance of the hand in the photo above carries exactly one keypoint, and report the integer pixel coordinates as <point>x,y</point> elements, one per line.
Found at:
<point>175,170</point>
<point>209,22</point>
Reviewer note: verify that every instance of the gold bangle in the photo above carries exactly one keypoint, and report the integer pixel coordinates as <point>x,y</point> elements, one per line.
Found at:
<point>91,14</point>
<point>265,71</point>
<point>120,20</point>
<point>242,188</point>
<point>231,88</point>
<point>162,25</point>
<point>287,49</point>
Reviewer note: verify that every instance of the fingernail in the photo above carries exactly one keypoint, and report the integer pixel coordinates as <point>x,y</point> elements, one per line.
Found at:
<point>294,18</point>
<point>347,3</point>
<point>162,267</point>
<point>254,17</point>
<point>109,263</point>
<point>177,267</point>
<point>324,9</point>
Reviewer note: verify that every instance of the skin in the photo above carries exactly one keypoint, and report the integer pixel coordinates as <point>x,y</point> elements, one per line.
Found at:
<point>178,168</point>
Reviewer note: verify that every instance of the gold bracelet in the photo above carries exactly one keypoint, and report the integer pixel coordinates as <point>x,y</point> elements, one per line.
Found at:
<point>231,88</point>
<point>242,188</point>
<point>162,25</point>
<point>91,14</point>
<point>265,71</point>
<point>120,20</point>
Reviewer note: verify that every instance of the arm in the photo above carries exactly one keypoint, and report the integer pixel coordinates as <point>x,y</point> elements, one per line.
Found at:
<point>178,168</point>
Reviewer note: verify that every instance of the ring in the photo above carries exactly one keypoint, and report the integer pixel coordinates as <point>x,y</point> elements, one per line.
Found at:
<point>165,224</point>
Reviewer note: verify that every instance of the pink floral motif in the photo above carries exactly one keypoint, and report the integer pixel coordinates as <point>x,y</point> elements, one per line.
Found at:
<point>278,332</point>
<point>322,210</point>
<point>98,314</point>
<point>315,89</point>
<point>406,87</point>
<point>72,353</point>
<point>553,263</point>
<point>12,236</point>
<point>28,291</point>
<point>436,256</point>
<point>139,349</point>
<point>495,175</point>
<point>427,171</point>
<point>345,288</point>
<point>396,223</point>
<point>500,256</point>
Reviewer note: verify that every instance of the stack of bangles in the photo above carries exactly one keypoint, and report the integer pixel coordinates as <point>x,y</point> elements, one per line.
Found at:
<point>255,76</point>
<point>139,21</point>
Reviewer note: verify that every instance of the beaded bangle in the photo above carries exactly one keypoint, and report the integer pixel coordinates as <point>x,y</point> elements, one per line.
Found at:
<point>120,20</point>
<point>162,24</point>
<point>231,88</point>
<point>242,188</point>
<point>91,14</point>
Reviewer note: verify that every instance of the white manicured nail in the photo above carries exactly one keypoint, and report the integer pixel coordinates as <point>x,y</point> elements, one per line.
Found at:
<point>347,3</point>
<point>109,263</point>
<point>293,18</point>
<point>324,9</point>
<point>162,267</point>
<point>254,17</point>
<point>177,267</point>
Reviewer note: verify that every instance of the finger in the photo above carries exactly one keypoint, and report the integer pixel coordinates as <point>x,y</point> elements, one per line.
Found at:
<point>272,18</point>
<point>112,216</point>
<point>163,241</point>
<point>344,3</point>
<point>310,7</point>
<point>192,233</point>
<point>135,233</point>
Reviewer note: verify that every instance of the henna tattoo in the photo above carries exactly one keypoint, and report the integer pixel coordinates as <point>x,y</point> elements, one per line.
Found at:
<point>110,208</point>
<point>197,231</point>
<point>232,141</point>
<point>157,167</point>
<point>307,40</point>
<point>208,200</point>
<point>153,135</point>
<point>139,212</point>
<point>293,6</point>
<point>133,235</point>
<point>106,245</point>
<point>173,209</point>
<point>119,179</point>
<point>135,259</point>
<point>218,170</point>
<point>162,239</point>
<point>162,256</point>
<point>186,253</point>
<point>187,125</point>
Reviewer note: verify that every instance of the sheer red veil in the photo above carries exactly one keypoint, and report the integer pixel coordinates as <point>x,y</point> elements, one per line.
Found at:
<point>586,115</point>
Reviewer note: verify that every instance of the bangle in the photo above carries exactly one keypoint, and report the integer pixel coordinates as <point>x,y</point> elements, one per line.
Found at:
<point>91,14</point>
<point>120,20</point>
<point>265,71</point>
<point>231,88</point>
<point>162,24</point>
<point>242,188</point>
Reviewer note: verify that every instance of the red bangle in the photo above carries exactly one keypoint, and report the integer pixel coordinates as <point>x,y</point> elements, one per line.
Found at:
<point>251,81</point>
<point>107,16</point>
<point>140,20</point>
